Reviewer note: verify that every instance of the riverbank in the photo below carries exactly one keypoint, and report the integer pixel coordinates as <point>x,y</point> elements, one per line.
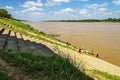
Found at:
<point>96,62</point>
<point>101,37</point>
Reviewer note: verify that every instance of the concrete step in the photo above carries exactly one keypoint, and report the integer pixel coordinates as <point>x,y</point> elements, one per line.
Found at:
<point>42,49</point>
<point>25,37</point>
<point>45,49</point>
<point>21,44</point>
<point>35,46</point>
<point>30,45</point>
<point>11,42</point>
<point>28,41</point>
<point>3,38</point>
<point>18,35</point>
<point>5,33</point>
<point>29,38</point>
<point>1,30</point>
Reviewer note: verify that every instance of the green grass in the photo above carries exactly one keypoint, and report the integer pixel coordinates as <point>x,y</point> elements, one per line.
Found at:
<point>20,25</point>
<point>106,75</point>
<point>53,67</point>
<point>15,23</point>
<point>4,76</point>
<point>100,75</point>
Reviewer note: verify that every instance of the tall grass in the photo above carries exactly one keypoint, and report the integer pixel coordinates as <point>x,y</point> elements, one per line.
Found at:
<point>4,76</point>
<point>52,67</point>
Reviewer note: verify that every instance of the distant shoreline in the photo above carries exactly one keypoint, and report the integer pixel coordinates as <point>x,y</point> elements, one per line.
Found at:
<point>89,20</point>
<point>85,20</point>
<point>73,22</point>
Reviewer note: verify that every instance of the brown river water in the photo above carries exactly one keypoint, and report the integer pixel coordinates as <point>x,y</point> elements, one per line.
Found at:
<point>101,37</point>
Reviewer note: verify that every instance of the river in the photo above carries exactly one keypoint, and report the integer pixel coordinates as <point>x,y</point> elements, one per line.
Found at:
<point>101,37</point>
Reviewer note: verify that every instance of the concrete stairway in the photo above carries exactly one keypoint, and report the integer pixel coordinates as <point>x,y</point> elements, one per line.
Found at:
<point>13,41</point>
<point>21,43</point>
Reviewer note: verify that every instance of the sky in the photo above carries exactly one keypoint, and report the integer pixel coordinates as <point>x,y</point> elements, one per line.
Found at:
<point>40,10</point>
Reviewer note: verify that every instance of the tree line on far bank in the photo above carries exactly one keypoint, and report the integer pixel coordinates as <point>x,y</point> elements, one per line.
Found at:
<point>89,20</point>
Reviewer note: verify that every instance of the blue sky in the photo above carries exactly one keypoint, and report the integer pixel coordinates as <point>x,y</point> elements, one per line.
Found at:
<point>37,10</point>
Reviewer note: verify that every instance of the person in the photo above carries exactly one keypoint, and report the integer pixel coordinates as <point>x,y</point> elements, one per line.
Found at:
<point>67,43</point>
<point>97,55</point>
<point>79,49</point>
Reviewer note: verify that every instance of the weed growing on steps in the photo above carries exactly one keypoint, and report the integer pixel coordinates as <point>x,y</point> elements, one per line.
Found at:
<point>52,67</point>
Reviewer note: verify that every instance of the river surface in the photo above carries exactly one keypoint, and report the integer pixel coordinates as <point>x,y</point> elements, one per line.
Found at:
<point>101,37</point>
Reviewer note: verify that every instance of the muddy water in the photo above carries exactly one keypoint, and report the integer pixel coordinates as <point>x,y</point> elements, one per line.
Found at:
<point>103,38</point>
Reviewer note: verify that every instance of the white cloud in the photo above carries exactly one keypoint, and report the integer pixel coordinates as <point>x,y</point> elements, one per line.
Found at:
<point>55,2</point>
<point>92,6</point>
<point>69,13</point>
<point>50,3</point>
<point>116,2</point>
<point>37,13</point>
<point>16,12</point>
<point>96,6</point>
<point>103,4</point>
<point>83,11</point>
<point>98,10</point>
<point>29,4</point>
<point>117,11</point>
<point>102,9</point>
<point>32,9</point>
<point>62,14</point>
<point>83,0</point>
<point>9,7</point>
<point>67,10</point>
<point>33,16</point>
<point>58,1</point>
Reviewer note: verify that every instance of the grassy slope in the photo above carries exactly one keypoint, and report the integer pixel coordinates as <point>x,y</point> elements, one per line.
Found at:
<point>48,68</point>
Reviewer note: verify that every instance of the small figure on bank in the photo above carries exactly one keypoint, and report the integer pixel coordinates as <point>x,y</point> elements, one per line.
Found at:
<point>79,49</point>
<point>97,55</point>
<point>67,43</point>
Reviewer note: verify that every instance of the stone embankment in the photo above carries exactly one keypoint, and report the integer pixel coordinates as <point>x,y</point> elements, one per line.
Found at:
<point>14,41</point>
